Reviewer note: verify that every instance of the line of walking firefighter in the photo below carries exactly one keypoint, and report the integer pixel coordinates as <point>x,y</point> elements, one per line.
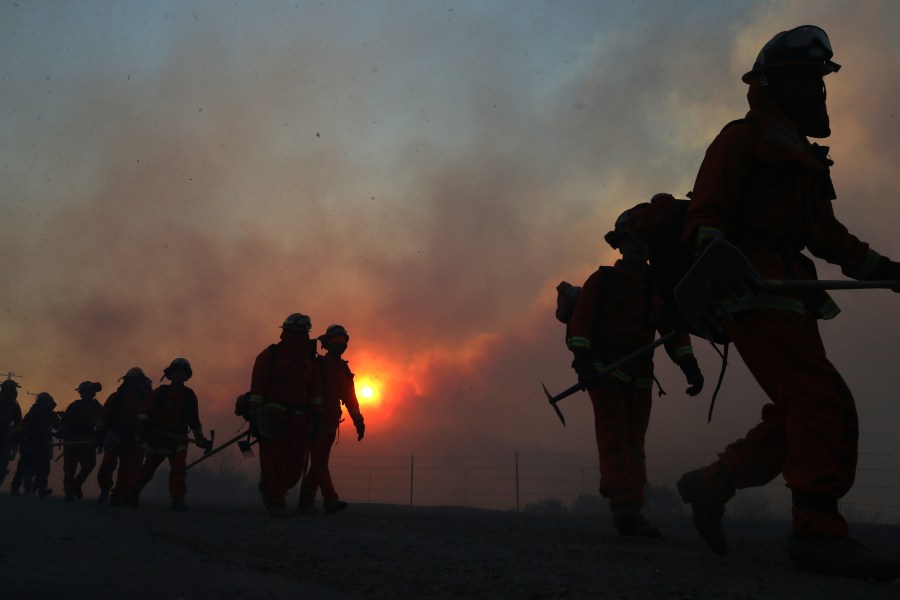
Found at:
<point>764,188</point>
<point>136,430</point>
<point>294,410</point>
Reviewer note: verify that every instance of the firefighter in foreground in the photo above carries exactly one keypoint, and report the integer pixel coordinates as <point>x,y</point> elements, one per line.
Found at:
<point>10,424</point>
<point>79,438</point>
<point>117,432</point>
<point>616,313</point>
<point>285,410</point>
<point>337,388</point>
<point>164,422</point>
<point>36,447</point>
<point>768,190</point>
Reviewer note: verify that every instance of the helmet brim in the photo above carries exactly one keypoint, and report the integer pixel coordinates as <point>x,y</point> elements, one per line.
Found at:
<point>829,66</point>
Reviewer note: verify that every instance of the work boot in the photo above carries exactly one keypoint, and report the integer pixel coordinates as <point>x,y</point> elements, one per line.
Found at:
<point>334,506</point>
<point>116,499</point>
<point>102,498</point>
<point>44,492</point>
<point>77,492</point>
<point>70,496</point>
<point>630,523</point>
<point>841,557</point>
<point>707,510</point>
<point>179,505</point>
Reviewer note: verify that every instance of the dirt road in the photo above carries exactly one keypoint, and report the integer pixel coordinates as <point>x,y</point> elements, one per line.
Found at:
<point>54,550</point>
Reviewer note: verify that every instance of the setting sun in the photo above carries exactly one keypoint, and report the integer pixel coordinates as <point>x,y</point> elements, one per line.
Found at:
<point>368,391</point>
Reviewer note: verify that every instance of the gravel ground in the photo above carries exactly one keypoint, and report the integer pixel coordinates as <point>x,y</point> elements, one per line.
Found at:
<point>51,549</point>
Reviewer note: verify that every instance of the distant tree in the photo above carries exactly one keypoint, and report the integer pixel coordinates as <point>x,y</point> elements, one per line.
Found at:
<point>662,499</point>
<point>752,506</point>
<point>547,506</point>
<point>590,504</point>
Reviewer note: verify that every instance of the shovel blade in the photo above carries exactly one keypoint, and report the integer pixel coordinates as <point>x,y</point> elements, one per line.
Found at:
<point>720,278</point>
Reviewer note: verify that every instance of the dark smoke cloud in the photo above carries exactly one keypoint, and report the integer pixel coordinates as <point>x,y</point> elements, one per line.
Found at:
<point>178,183</point>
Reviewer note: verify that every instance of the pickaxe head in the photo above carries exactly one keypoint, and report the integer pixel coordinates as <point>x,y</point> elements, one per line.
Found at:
<point>553,404</point>
<point>719,281</point>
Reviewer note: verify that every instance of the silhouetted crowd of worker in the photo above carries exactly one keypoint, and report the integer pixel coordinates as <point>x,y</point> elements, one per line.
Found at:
<point>293,408</point>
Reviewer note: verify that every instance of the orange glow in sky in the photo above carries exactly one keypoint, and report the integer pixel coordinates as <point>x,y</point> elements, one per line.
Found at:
<point>368,391</point>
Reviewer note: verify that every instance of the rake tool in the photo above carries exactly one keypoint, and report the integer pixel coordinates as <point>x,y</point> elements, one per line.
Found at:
<point>246,446</point>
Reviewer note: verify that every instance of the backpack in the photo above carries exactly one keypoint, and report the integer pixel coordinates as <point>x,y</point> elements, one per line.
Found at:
<point>242,403</point>
<point>659,224</point>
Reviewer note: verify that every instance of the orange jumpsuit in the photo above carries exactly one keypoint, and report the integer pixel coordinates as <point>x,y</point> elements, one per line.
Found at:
<point>79,422</point>
<point>285,398</point>
<point>337,387</point>
<point>171,411</point>
<point>768,190</point>
<point>617,312</point>
<point>118,425</point>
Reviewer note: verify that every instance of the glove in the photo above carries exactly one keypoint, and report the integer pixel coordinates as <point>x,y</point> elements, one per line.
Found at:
<point>691,371</point>
<point>203,442</point>
<point>360,425</point>
<point>584,368</point>
<point>887,270</point>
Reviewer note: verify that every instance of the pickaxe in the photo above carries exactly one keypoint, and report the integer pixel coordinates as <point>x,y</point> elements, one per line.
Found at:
<point>722,277</point>
<point>605,371</point>
<point>183,438</point>
<point>213,451</point>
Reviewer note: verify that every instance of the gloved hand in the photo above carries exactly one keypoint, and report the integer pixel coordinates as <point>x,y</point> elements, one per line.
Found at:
<point>584,368</point>
<point>887,270</point>
<point>691,371</point>
<point>203,442</point>
<point>360,425</point>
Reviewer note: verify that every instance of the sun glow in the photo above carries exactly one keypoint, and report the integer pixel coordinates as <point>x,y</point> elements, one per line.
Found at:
<point>368,391</point>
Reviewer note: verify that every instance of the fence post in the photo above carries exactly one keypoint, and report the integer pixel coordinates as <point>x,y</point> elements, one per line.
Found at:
<point>517,481</point>
<point>412,465</point>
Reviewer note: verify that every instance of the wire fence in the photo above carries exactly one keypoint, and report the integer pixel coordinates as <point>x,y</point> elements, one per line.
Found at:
<point>518,481</point>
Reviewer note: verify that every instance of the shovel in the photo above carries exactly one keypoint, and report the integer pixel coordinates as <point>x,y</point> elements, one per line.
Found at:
<point>723,277</point>
<point>604,371</point>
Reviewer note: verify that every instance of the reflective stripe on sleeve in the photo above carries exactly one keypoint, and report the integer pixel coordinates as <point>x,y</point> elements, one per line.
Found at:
<point>578,342</point>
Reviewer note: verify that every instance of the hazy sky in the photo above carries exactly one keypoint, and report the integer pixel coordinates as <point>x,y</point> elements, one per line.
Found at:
<point>177,177</point>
